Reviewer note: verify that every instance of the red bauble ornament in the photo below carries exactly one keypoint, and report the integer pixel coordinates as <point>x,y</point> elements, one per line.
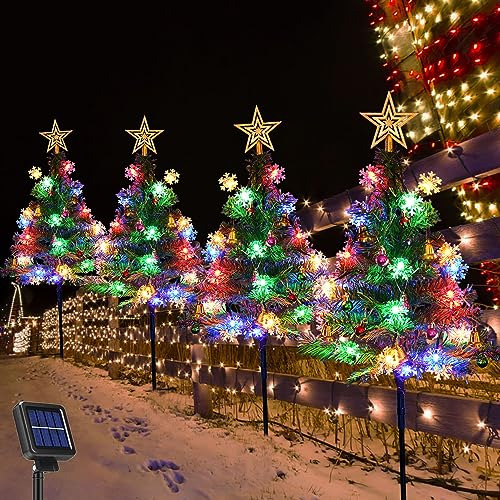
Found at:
<point>292,296</point>
<point>404,220</point>
<point>139,226</point>
<point>126,273</point>
<point>79,253</point>
<point>271,240</point>
<point>431,333</point>
<point>382,259</point>
<point>359,329</point>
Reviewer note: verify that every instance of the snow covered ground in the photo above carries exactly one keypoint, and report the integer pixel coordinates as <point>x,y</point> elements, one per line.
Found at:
<point>133,444</point>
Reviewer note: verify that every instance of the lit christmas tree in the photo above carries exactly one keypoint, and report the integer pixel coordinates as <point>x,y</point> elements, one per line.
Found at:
<point>148,256</point>
<point>398,308</point>
<point>262,270</point>
<point>58,232</point>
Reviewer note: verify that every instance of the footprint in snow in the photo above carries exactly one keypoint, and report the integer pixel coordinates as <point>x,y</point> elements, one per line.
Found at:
<point>169,471</point>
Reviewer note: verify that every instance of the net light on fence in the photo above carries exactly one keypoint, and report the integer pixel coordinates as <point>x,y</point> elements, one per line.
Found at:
<point>427,413</point>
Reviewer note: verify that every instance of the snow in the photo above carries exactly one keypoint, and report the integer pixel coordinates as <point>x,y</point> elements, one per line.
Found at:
<point>135,444</point>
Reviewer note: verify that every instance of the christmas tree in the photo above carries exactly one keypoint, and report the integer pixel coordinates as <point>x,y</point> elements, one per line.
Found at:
<point>148,256</point>
<point>58,233</point>
<point>398,308</point>
<point>262,270</point>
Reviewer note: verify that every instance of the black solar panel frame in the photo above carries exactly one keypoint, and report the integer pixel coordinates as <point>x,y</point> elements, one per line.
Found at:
<point>30,445</point>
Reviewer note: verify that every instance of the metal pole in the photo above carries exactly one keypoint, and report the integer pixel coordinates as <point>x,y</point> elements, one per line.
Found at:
<point>263,377</point>
<point>152,337</point>
<point>59,311</point>
<point>400,391</point>
<point>37,485</point>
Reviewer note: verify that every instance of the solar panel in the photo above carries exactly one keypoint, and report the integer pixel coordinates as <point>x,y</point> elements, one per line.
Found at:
<point>43,431</point>
<point>48,428</point>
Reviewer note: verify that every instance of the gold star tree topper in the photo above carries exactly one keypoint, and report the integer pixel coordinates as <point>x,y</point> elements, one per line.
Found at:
<point>56,138</point>
<point>389,124</point>
<point>144,137</point>
<point>258,132</point>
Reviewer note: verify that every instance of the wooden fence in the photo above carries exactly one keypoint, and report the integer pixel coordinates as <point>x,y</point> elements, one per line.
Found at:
<point>472,420</point>
<point>95,333</point>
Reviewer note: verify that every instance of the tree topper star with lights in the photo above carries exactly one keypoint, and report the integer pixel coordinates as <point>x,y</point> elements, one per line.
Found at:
<point>258,132</point>
<point>144,137</point>
<point>56,138</point>
<point>389,124</point>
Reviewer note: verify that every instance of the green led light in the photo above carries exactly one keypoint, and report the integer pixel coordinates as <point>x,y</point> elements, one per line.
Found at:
<point>59,247</point>
<point>87,265</point>
<point>46,183</point>
<point>401,268</point>
<point>158,189</point>
<point>152,233</point>
<point>302,314</point>
<point>55,220</point>
<point>411,203</point>
<point>245,196</point>
<point>256,249</point>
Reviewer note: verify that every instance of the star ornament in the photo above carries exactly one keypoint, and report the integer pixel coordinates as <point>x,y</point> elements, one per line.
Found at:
<point>258,132</point>
<point>389,124</point>
<point>56,138</point>
<point>144,137</point>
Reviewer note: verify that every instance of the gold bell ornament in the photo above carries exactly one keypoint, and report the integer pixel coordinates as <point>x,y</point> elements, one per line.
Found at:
<point>232,240</point>
<point>199,310</point>
<point>429,251</point>
<point>363,235</point>
<point>171,221</point>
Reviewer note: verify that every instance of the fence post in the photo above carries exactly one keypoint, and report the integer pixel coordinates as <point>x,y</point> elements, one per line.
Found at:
<point>202,395</point>
<point>113,344</point>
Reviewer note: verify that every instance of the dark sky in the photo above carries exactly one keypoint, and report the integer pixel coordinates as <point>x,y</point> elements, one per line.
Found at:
<point>194,70</point>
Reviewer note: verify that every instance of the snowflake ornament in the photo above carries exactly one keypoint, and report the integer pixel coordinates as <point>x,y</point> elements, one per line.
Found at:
<point>171,176</point>
<point>429,183</point>
<point>228,182</point>
<point>447,253</point>
<point>35,173</point>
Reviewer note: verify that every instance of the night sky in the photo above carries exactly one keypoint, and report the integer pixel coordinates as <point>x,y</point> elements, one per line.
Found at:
<point>194,70</point>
